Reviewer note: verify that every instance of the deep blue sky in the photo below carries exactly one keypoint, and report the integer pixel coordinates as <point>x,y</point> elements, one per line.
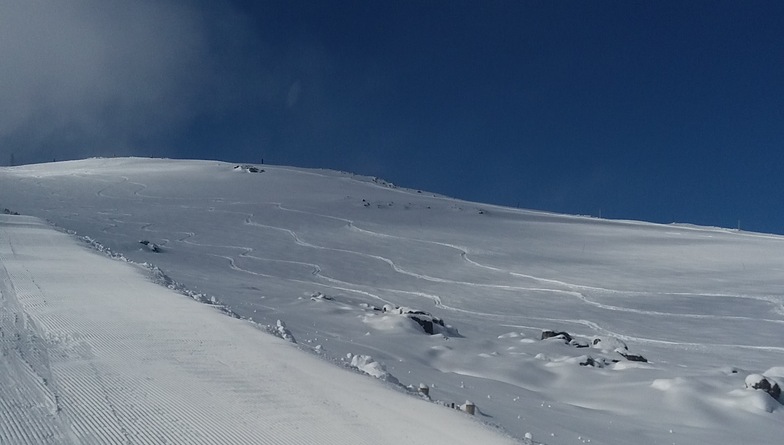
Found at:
<point>661,111</point>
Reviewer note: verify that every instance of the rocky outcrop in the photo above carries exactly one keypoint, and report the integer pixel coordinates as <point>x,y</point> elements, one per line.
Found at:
<point>427,321</point>
<point>762,383</point>
<point>556,334</point>
<point>248,168</point>
<point>152,247</point>
<point>607,345</point>
<point>633,357</point>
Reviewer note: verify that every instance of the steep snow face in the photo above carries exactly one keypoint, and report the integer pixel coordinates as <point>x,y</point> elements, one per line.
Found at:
<point>659,324</point>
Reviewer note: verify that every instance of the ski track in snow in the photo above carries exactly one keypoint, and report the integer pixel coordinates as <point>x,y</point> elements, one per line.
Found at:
<point>120,362</point>
<point>576,291</point>
<point>402,277</point>
<point>573,289</point>
<point>559,287</point>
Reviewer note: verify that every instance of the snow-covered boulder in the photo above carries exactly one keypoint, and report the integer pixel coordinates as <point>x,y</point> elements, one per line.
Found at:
<point>280,330</point>
<point>762,383</point>
<point>429,323</point>
<point>609,344</point>
<point>370,366</point>
<point>547,333</point>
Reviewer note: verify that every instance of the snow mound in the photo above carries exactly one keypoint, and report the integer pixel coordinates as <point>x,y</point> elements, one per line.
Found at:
<point>763,383</point>
<point>280,330</point>
<point>371,367</point>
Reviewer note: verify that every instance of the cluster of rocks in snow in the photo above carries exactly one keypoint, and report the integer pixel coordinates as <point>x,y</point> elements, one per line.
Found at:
<point>378,204</point>
<point>248,168</point>
<point>429,323</point>
<point>152,247</point>
<point>391,204</point>
<point>605,344</point>
<point>383,182</point>
<point>366,364</point>
<point>318,296</point>
<point>9,212</point>
<point>280,330</point>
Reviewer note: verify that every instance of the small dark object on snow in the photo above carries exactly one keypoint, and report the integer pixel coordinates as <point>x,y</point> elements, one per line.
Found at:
<point>550,334</point>
<point>9,212</point>
<point>633,357</point>
<point>152,246</point>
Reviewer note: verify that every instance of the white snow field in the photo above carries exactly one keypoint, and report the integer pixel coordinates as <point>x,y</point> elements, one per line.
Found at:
<point>94,353</point>
<point>667,323</point>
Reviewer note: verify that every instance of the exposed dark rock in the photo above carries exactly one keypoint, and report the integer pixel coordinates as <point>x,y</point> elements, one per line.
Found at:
<point>633,357</point>
<point>152,246</point>
<point>762,383</point>
<point>579,343</point>
<point>427,321</point>
<point>592,362</point>
<point>552,334</point>
<point>9,212</point>
<point>318,296</point>
<point>248,168</point>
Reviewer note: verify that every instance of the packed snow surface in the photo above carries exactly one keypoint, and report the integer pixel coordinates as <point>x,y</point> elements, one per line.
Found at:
<point>653,330</point>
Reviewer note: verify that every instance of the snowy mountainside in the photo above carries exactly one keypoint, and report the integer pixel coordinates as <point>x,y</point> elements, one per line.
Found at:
<point>356,266</point>
<point>93,353</point>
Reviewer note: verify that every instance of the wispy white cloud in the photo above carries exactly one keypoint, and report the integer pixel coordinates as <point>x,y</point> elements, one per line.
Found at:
<point>93,77</point>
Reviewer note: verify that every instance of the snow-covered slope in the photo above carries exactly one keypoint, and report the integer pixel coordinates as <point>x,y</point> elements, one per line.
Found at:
<point>328,252</point>
<point>94,353</point>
